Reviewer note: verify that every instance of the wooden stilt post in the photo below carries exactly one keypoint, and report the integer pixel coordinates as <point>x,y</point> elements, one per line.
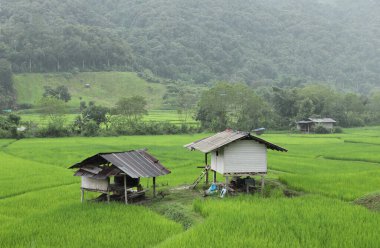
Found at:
<point>262,184</point>
<point>125,189</point>
<point>214,177</point>
<point>108,197</point>
<point>154,187</point>
<point>226,185</point>
<point>206,169</point>
<point>82,195</point>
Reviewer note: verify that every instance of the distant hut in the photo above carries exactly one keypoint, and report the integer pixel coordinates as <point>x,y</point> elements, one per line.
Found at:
<point>234,153</point>
<point>259,131</point>
<point>309,124</point>
<point>126,169</point>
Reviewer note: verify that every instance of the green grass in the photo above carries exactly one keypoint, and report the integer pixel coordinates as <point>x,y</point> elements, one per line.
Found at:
<point>106,87</point>
<point>40,199</point>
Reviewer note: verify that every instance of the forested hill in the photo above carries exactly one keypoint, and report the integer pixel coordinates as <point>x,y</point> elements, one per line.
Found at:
<point>336,41</point>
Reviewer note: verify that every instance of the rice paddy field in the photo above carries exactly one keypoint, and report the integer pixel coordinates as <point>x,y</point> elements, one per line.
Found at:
<point>170,116</point>
<point>40,199</point>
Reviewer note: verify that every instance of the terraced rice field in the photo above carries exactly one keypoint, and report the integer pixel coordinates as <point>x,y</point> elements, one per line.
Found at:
<point>40,199</point>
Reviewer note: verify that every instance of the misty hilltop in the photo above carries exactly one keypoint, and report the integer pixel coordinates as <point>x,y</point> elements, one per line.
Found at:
<point>260,41</point>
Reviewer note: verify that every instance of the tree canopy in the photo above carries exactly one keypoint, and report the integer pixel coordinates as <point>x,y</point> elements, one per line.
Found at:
<point>133,108</point>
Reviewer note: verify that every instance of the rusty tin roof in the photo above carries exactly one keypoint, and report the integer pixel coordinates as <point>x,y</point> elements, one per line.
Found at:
<point>135,163</point>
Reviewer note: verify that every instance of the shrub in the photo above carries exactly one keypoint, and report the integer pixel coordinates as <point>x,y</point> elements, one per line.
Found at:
<point>8,129</point>
<point>25,106</point>
<point>90,128</point>
<point>55,128</point>
<point>338,130</point>
<point>122,127</point>
<point>321,130</point>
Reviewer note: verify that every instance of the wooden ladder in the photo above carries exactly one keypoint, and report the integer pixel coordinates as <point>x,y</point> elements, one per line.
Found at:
<point>202,175</point>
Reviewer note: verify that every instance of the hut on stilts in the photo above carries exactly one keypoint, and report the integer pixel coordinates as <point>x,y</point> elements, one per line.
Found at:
<point>117,175</point>
<point>234,154</point>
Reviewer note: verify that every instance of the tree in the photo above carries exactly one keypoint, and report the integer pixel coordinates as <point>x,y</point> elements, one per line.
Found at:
<point>60,92</point>
<point>374,107</point>
<point>182,98</point>
<point>305,109</point>
<point>185,103</point>
<point>132,108</point>
<point>235,106</point>
<point>98,114</point>
<point>7,91</point>
<point>52,108</point>
<point>284,103</point>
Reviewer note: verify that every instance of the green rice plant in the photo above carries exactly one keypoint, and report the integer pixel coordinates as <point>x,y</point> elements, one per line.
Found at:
<point>309,221</point>
<point>40,199</point>
<point>59,220</point>
<point>20,176</point>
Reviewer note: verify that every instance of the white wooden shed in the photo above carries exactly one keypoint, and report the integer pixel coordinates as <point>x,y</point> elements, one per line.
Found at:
<point>235,153</point>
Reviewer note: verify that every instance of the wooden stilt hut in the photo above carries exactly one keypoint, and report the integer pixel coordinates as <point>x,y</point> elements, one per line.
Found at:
<point>117,174</point>
<point>234,154</point>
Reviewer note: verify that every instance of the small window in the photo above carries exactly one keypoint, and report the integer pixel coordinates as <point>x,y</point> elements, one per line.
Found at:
<point>217,153</point>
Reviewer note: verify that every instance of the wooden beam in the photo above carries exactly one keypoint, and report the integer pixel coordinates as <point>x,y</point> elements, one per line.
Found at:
<point>154,186</point>
<point>125,189</point>
<point>262,184</point>
<point>108,197</point>
<point>214,177</point>
<point>82,195</point>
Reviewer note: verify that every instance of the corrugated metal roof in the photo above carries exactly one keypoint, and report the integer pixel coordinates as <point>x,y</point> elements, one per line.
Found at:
<point>108,172</point>
<point>136,163</point>
<point>322,120</point>
<point>83,173</point>
<point>304,122</point>
<point>221,139</point>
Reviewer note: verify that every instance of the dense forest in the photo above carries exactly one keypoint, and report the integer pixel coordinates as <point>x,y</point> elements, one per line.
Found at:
<point>257,42</point>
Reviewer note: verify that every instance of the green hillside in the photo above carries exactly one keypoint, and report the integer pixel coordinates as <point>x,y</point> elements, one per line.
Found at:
<point>105,87</point>
<point>255,41</point>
